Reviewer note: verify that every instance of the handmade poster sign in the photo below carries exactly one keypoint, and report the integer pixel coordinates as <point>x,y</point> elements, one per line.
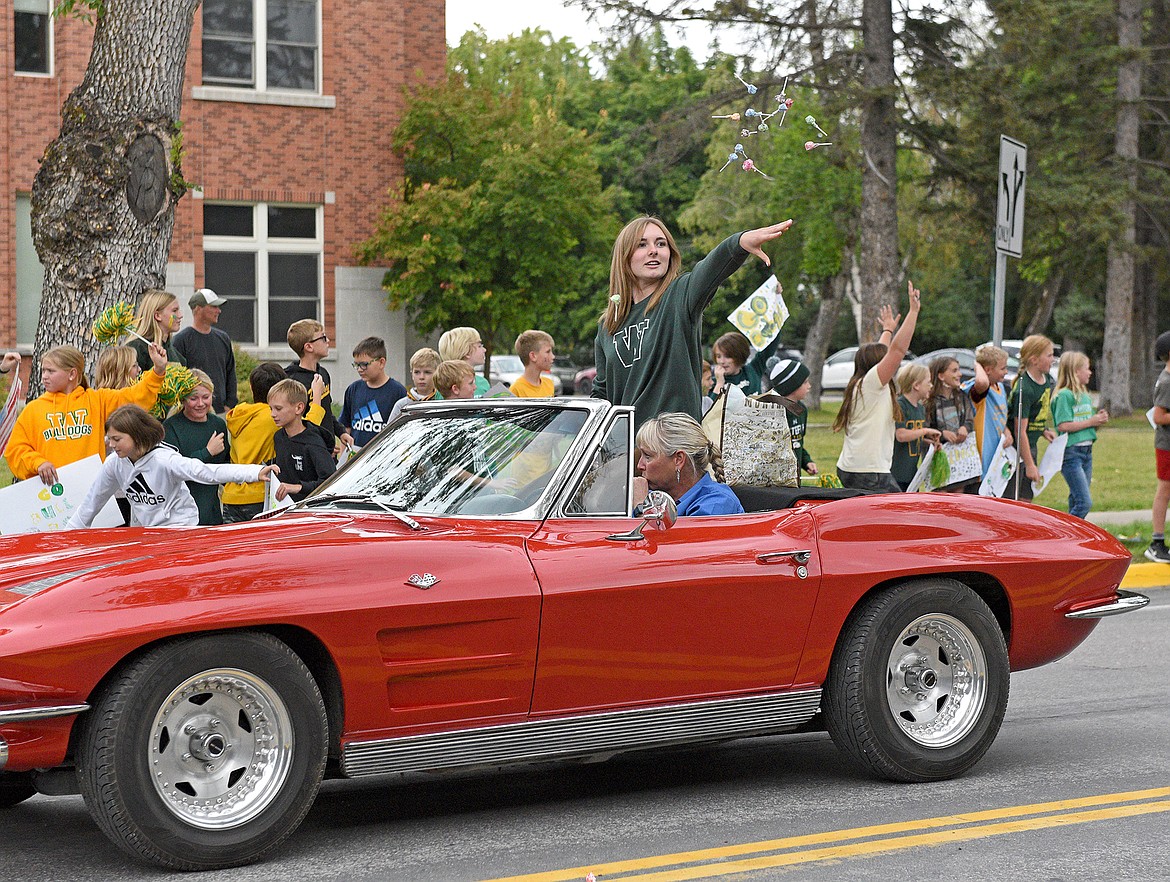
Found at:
<point>946,465</point>
<point>763,314</point>
<point>999,471</point>
<point>1050,463</point>
<point>923,474</point>
<point>271,503</point>
<point>31,507</point>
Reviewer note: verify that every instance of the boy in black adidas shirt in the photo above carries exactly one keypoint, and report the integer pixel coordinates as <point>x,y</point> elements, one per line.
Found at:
<point>302,453</point>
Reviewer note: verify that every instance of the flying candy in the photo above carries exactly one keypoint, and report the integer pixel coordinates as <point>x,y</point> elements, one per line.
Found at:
<point>750,88</point>
<point>813,145</point>
<point>734,116</point>
<point>115,321</point>
<point>812,122</point>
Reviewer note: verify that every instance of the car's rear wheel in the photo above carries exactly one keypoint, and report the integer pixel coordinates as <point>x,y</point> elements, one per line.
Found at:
<point>15,787</point>
<point>918,684</point>
<point>205,752</point>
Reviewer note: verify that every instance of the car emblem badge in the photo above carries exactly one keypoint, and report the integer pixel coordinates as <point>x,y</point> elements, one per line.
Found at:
<point>425,581</point>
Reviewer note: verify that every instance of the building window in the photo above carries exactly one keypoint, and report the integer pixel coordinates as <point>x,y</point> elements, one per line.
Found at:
<point>266,261</point>
<point>262,44</point>
<point>33,30</point>
<point>30,275</point>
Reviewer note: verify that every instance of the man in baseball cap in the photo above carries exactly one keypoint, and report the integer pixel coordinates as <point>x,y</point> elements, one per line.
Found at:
<point>208,348</point>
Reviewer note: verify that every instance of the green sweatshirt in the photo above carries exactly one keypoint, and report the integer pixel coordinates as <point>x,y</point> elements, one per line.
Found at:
<point>653,361</point>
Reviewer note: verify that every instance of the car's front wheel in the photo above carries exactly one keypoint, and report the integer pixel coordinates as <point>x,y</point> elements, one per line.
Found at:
<point>205,752</point>
<point>918,684</point>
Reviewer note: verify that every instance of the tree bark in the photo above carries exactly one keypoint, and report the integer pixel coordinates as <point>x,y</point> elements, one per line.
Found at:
<point>1119,274</point>
<point>103,201</point>
<point>816,342</point>
<point>879,182</point>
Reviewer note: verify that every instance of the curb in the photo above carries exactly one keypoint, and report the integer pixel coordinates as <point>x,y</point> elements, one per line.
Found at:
<point>1146,575</point>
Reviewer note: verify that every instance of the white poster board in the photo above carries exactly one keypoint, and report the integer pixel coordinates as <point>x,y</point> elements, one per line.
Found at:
<point>963,464</point>
<point>999,471</point>
<point>762,315</point>
<point>31,507</point>
<point>1050,463</point>
<point>271,503</point>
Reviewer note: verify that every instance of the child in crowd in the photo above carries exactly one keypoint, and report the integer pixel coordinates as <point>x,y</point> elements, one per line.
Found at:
<point>157,319</point>
<point>989,396</point>
<point>790,379</point>
<point>736,366</point>
<point>307,338</point>
<point>152,474</point>
<point>1029,412</point>
<point>422,374</point>
<point>1073,413</point>
<point>252,429</point>
<point>949,410</point>
<point>911,430</point>
<point>117,368</point>
<point>706,384</point>
<point>369,400</point>
<point>535,349</point>
<point>869,407</point>
<point>1157,551</point>
<point>465,344</point>
<point>197,432</point>
<point>302,455</point>
<point>454,378</point>
<point>60,427</point>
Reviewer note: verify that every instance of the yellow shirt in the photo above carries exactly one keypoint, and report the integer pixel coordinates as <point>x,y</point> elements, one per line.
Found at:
<point>252,429</point>
<point>521,388</point>
<point>65,427</point>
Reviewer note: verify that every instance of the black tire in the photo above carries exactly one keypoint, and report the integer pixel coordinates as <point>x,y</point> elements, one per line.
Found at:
<point>173,763</point>
<point>15,788</point>
<point>918,683</point>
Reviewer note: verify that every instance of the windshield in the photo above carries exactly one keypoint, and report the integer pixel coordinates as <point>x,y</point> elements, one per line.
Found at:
<point>490,460</point>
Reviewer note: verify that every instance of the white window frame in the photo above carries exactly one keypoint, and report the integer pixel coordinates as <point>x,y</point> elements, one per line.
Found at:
<point>214,91</point>
<point>260,244</point>
<point>48,11</point>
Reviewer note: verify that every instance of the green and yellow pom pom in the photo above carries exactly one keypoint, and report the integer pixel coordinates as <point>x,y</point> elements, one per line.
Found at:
<point>177,384</point>
<point>114,321</point>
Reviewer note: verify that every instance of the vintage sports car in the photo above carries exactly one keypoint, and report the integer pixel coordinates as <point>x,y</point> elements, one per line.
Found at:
<point>472,591</point>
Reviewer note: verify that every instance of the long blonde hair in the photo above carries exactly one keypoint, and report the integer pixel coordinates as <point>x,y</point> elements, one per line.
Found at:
<point>621,278</point>
<point>115,368</point>
<point>670,433</point>
<point>1066,373</point>
<point>153,300</point>
<point>867,357</point>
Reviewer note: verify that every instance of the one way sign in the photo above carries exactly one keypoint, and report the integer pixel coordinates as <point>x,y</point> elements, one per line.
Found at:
<point>1009,212</point>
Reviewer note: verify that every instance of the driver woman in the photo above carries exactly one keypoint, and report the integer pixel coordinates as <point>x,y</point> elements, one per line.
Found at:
<point>673,456</point>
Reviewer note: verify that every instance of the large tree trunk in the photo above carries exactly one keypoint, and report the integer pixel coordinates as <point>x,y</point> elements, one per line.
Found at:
<point>1119,275</point>
<point>879,208</point>
<point>103,202</point>
<point>816,342</point>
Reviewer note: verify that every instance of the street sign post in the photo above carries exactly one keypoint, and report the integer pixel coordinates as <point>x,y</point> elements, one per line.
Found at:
<point>1009,220</point>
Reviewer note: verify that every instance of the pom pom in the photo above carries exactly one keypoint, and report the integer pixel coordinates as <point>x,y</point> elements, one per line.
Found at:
<point>177,384</point>
<point>114,321</point>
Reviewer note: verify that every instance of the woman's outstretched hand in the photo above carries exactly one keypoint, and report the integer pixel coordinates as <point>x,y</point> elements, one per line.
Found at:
<point>753,240</point>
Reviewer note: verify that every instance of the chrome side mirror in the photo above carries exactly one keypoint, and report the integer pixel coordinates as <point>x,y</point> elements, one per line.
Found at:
<point>660,507</point>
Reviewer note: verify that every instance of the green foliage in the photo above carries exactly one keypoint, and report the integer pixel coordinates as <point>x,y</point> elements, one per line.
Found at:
<point>245,364</point>
<point>86,10</point>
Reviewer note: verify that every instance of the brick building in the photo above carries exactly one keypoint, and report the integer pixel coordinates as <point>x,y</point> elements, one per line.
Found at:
<point>288,108</point>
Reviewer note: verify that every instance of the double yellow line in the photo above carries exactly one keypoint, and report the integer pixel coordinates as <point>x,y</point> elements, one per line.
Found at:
<point>877,839</point>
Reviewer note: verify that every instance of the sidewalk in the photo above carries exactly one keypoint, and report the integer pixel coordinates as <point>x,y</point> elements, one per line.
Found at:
<point>1118,518</point>
<point>1141,574</point>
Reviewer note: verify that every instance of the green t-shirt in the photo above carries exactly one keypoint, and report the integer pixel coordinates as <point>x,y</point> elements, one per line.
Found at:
<point>1036,409</point>
<point>1068,407</point>
<point>908,454</point>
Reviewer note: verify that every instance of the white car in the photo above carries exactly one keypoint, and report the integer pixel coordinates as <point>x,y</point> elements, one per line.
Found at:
<point>838,368</point>
<point>1012,348</point>
<point>506,368</point>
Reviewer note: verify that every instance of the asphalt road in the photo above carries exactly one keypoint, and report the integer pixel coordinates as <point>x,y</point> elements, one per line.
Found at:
<point>1077,786</point>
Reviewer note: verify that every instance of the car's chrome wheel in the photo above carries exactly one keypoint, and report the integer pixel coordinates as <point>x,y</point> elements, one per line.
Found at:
<point>936,680</point>
<point>918,684</point>
<point>220,748</point>
<point>204,752</point>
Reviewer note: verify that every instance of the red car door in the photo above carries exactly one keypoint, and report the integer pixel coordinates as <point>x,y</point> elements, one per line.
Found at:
<point>709,606</point>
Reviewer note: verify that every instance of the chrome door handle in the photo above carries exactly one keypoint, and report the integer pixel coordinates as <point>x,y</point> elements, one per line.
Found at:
<point>800,557</point>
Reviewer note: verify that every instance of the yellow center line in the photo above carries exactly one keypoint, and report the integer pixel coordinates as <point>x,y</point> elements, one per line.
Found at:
<point>707,869</point>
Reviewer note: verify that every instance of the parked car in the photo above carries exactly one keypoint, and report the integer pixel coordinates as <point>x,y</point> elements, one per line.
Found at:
<point>966,360</point>
<point>506,368</point>
<point>564,368</point>
<point>491,600</point>
<point>583,382</point>
<point>1012,348</point>
<point>838,368</point>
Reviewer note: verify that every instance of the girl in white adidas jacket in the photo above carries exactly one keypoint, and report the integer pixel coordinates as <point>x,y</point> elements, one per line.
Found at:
<point>153,474</point>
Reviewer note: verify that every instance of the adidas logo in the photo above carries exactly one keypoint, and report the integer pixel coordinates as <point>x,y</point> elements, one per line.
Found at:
<point>368,418</point>
<point>139,491</point>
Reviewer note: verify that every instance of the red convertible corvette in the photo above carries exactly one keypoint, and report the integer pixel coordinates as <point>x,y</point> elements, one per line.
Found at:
<point>471,590</point>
